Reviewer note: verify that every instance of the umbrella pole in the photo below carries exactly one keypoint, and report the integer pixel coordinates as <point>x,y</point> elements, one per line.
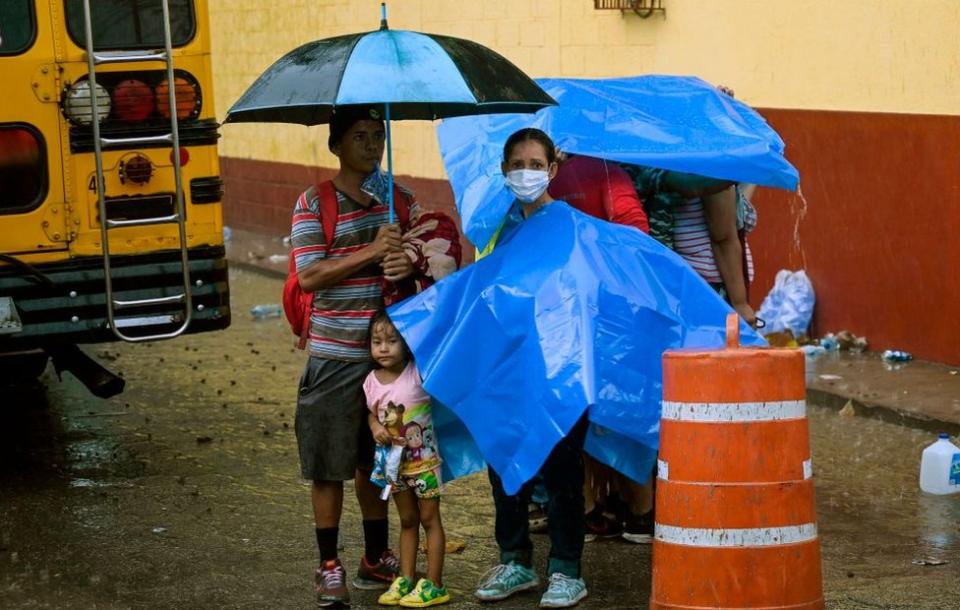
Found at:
<point>389,163</point>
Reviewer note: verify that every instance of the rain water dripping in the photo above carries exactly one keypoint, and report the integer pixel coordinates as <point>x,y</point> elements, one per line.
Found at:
<point>799,212</point>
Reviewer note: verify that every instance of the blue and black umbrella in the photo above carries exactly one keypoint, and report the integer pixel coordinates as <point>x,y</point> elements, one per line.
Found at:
<point>404,74</point>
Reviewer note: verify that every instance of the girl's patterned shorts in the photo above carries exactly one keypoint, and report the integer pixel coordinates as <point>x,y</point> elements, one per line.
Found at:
<point>426,485</point>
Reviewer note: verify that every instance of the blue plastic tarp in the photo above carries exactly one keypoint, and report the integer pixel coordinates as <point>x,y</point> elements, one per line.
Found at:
<point>671,122</point>
<point>568,315</point>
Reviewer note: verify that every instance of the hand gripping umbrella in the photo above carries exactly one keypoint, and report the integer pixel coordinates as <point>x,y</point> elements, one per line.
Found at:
<point>403,74</point>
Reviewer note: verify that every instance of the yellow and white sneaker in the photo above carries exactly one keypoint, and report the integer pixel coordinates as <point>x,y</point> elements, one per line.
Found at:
<point>425,594</point>
<point>400,587</point>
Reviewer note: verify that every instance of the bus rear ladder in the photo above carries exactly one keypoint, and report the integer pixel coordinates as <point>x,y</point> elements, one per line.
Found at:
<point>173,138</point>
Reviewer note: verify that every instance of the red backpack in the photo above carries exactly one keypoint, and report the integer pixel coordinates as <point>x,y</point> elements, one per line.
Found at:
<point>297,304</point>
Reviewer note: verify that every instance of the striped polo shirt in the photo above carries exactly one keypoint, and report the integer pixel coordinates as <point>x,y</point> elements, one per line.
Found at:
<point>341,313</point>
<point>692,241</point>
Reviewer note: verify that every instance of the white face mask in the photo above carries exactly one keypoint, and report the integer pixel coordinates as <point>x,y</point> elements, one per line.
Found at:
<point>527,184</point>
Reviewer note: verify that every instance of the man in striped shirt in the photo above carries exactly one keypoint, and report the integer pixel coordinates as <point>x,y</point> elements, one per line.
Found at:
<point>345,276</point>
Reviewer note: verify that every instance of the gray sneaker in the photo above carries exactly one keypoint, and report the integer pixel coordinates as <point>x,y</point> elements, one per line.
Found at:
<point>331,585</point>
<point>563,592</point>
<point>502,581</point>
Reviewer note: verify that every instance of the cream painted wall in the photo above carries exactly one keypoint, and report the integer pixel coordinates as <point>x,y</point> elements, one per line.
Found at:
<point>859,55</point>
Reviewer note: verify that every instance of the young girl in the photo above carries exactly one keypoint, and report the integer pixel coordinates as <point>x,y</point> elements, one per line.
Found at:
<point>400,415</point>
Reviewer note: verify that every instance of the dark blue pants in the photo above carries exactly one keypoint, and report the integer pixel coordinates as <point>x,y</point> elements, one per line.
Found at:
<point>562,475</point>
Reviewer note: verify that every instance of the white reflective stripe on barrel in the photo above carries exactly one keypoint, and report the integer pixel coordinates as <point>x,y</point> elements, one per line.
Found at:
<point>663,470</point>
<point>732,537</point>
<point>723,412</point>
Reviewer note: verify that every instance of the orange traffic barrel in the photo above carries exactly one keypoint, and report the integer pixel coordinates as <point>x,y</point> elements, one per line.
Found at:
<point>736,524</point>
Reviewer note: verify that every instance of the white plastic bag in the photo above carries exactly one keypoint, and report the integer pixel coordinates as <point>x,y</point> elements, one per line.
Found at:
<point>789,305</point>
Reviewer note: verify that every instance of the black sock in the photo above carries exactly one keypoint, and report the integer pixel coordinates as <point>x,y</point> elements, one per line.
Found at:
<point>375,539</point>
<point>327,542</point>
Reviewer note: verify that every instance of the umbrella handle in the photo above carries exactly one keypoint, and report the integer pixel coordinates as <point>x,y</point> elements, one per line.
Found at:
<point>389,164</point>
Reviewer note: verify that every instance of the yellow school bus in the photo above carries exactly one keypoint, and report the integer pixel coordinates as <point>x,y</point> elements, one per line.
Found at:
<point>110,195</point>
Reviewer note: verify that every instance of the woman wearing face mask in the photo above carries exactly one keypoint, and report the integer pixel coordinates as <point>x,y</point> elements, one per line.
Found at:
<point>603,190</point>
<point>529,163</point>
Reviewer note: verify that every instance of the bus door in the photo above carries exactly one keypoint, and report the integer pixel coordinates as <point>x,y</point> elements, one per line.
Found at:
<point>34,217</point>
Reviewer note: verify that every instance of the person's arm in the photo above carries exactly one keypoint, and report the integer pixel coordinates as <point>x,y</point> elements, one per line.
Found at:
<point>324,272</point>
<point>720,211</point>
<point>379,431</point>
<point>621,203</point>
<point>309,247</point>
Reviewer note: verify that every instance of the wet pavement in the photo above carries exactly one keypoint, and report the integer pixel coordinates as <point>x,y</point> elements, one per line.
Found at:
<point>183,492</point>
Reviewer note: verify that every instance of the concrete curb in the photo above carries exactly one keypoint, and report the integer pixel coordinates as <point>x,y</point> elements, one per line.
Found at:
<point>254,267</point>
<point>887,413</point>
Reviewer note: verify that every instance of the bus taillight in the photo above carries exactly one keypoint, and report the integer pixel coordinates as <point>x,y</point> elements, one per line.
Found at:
<point>133,101</point>
<point>137,169</point>
<point>184,156</point>
<point>76,104</point>
<point>128,98</point>
<point>188,97</point>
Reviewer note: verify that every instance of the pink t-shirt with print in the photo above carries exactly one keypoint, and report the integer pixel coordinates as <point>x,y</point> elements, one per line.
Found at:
<point>403,407</point>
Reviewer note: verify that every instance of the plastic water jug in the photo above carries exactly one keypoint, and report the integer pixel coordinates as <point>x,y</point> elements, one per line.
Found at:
<point>940,467</point>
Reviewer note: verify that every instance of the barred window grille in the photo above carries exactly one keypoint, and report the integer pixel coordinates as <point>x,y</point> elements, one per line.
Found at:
<point>643,8</point>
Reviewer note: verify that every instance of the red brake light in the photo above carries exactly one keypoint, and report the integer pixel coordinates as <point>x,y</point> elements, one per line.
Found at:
<point>188,95</point>
<point>22,170</point>
<point>184,156</point>
<point>132,101</point>
<point>18,149</point>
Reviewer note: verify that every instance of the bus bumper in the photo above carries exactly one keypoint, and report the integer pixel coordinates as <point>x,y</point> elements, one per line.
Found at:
<point>65,302</point>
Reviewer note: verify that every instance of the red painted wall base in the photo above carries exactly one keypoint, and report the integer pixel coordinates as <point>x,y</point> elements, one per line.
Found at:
<point>876,224</point>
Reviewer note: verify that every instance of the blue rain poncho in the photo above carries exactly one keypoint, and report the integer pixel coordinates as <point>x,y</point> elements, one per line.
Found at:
<point>568,315</point>
<point>677,123</point>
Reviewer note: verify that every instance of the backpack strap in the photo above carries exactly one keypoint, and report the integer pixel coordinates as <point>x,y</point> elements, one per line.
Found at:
<point>329,210</point>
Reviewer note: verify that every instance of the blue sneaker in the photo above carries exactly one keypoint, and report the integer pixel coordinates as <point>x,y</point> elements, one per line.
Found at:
<point>563,591</point>
<point>502,581</point>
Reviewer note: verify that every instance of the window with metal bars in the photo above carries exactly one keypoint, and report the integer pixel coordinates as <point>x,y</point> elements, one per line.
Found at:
<point>643,8</point>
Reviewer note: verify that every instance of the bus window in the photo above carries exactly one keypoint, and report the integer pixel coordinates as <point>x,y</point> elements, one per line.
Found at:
<point>18,28</point>
<point>23,169</point>
<point>131,24</point>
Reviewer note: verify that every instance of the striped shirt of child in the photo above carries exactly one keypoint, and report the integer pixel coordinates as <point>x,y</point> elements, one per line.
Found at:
<point>341,313</point>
